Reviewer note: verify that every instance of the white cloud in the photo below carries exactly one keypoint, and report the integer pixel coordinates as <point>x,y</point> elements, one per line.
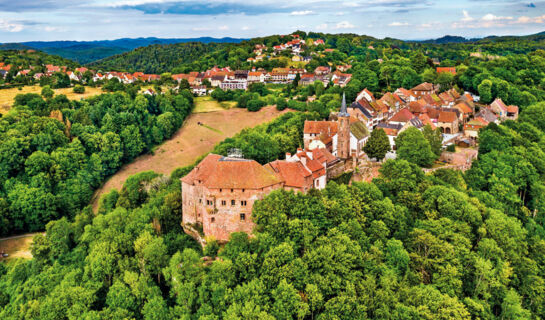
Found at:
<point>528,20</point>
<point>223,28</point>
<point>489,20</point>
<point>344,25</point>
<point>245,28</point>
<point>301,13</point>
<point>10,26</point>
<point>340,13</point>
<point>398,24</point>
<point>466,17</point>
<point>322,26</point>
<point>491,17</point>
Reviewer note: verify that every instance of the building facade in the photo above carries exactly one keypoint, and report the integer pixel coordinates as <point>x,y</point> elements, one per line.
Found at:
<point>218,195</point>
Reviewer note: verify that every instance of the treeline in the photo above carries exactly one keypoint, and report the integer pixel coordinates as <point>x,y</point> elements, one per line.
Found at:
<point>54,153</point>
<point>406,246</point>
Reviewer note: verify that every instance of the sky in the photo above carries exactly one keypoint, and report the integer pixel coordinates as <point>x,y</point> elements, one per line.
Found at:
<point>44,20</point>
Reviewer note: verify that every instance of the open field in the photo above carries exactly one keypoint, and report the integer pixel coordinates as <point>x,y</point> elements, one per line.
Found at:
<point>189,143</point>
<point>7,96</point>
<point>207,104</point>
<point>17,246</point>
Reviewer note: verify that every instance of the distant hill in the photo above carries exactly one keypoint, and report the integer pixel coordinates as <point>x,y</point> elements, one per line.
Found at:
<point>89,51</point>
<point>448,39</point>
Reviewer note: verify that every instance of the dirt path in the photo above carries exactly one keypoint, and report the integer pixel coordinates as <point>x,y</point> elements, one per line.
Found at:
<point>189,142</point>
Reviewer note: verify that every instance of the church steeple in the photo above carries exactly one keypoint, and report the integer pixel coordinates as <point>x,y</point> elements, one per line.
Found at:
<point>343,135</point>
<point>343,112</point>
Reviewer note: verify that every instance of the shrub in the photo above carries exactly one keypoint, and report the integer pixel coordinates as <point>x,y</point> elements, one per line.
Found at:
<point>79,89</point>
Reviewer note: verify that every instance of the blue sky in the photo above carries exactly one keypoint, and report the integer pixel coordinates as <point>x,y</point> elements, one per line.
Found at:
<point>29,20</point>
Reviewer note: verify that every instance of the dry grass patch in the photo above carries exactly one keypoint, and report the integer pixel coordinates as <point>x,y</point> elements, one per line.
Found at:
<point>17,247</point>
<point>7,96</point>
<point>207,104</point>
<point>189,143</point>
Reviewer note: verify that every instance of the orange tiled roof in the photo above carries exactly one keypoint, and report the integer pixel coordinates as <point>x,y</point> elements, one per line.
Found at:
<point>403,115</point>
<point>294,174</point>
<point>446,116</point>
<point>217,172</point>
<point>321,127</point>
<point>462,106</point>
<point>426,120</point>
<point>512,109</point>
<point>426,86</point>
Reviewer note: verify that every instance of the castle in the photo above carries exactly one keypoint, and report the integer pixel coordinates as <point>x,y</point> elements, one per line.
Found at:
<point>219,193</point>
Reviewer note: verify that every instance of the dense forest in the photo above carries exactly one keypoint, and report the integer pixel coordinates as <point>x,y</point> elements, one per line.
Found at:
<point>24,59</point>
<point>157,58</point>
<point>446,245</point>
<point>55,152</point>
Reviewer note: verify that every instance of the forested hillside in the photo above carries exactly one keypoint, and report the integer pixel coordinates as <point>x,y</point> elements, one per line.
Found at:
<point>25,58</point>
<point>89,51</point>
<point>446,245</point>
<point>157,58</point>
<point>54,153</point>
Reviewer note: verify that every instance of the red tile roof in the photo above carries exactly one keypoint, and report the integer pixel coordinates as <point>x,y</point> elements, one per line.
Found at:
<point>446,69</point>
<point>321,127</point>
<point>426,86</point>
<point>447,117</point>
<point>462,106</point>
<point>426,120</point>
<point>512,109</point>
<point>294,174</point>
<point>403,115</point>
<point>217,172</point>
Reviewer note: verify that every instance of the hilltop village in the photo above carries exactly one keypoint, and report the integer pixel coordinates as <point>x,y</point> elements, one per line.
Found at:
<point>219,193</point>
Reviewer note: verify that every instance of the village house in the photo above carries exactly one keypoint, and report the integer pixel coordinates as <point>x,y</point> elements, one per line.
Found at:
<point>448,122</point>
<point>199,90</point>
<point>424,89</point>
<point>391,130</point>
<point>504,112</point>
<point>322,70</point>
<point>256,76</point>
<point>405,95</point>
<point>234,84</point>
<point>472,127</point>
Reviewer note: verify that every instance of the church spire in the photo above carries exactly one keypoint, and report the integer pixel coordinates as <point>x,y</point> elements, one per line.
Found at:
<point>343,112</point>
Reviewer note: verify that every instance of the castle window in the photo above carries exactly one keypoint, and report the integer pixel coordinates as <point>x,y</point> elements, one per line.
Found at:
<point>221,190</point>
<point>243,190</point>
<point>232,190</point>
<point>223,202</point>
<point>243,203</point>
<point>200,200</point>
<point>232,202</point>
<point>242,217</point>
<point>212,220</point>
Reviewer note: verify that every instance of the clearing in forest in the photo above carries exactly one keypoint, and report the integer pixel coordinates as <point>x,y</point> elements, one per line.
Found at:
<point>198,136</point>
<point>7,96</point>
<point>207,104</point>
<point>17,246</point>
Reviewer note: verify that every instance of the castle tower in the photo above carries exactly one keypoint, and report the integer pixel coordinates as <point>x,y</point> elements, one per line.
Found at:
<point>343,136</point>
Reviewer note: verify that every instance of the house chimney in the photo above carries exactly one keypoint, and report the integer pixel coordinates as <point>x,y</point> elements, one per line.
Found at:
<point>288,155</point>
<point>299,150</point>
